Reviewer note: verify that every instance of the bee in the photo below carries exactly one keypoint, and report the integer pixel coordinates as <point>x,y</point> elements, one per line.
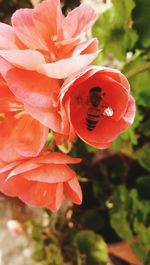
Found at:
<point>93,112</point>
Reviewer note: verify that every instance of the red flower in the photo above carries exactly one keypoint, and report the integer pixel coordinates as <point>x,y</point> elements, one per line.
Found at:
<point>97,105</point>
<point>41,47</point>
<point>20,134</point>
<point>41,181</point>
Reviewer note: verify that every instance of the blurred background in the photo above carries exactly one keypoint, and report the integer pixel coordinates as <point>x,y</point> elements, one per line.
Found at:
<point>112,226</point>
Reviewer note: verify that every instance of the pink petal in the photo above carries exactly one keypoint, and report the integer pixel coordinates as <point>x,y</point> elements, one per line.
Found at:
<point>7,37</point>
<point>9,167</point>
<point>4,67</point>
<point>26,142</point>
<point>8,101</point>
<point>7,151</point>
<point>25,59</point>
<point>57,158</point>
<point>73,190</point>
<point>48,117</point>
<point>78,21</point>
<point>40,194</point>
<point>26,31</point>
<point>32,88</point>
<point>130,113</point>
<point>14,186</point>
<point>52,173</point>
<point>117,76</point>
<point>86,47</point>
<point>99,145</point>
<point>57,199</point>
<point>65,67</point>
<point>23,166</point>
<point>48,17</point>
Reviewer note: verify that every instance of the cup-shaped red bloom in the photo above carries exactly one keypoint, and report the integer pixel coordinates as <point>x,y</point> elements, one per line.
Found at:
<point>41,181</point>
<point>97,105</point>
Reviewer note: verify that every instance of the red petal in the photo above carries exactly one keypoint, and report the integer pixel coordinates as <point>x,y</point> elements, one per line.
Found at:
<point>57,199</point>
<point>48,117</point>
<point>8,101</point>
<point>73,190</point>
<point>32,88</point>
<point>29,136</point>
<point>52,173</point>
<point>7,150</point>
<point>57,158</point>
<point>39,194</point>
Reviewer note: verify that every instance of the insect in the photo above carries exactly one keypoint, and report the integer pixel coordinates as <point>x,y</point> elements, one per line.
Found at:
<point>93,112</point>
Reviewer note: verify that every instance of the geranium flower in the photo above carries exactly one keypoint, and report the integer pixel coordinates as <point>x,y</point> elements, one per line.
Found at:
<point>42,40</point>
<point>20,134</point>
<point>41,181</point>
<point>97,105</point>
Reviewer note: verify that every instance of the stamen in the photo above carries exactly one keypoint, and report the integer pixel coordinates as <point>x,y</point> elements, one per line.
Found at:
<point>2,116</point>
<point>108,112</point>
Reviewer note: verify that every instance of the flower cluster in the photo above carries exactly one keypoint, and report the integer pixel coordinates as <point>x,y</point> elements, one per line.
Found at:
<point>47,84</point>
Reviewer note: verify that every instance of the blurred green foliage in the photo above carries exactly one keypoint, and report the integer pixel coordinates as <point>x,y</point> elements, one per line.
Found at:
<point>115,182</point>
<point>93,246</point>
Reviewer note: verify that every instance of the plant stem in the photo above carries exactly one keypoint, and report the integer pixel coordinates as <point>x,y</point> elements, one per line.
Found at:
<point>137,70</point>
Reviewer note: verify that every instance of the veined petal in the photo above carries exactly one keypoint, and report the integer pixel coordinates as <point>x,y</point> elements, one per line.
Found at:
<point>8,102</point>
<point>65,67</point>
<point>48,117</point>
<point>130,112</point>
<point>39,194</point>
<point>25,59</point>
<point>14,186</point>
<point>78,21</point>
<point>51,173</point>
<point>32,88</point>
<point>47,17</point>
<point>26,31</point>
<point>29,136</point>
<point>73,190</point>
<point>7,151</point>
<point>22,167</point>
<point>57,199</point>
<point>86,47</point>
<point>57,158</point>
<point>7,37</point>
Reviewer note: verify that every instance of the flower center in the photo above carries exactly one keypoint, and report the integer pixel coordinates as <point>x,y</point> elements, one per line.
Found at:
<point>2,116</point>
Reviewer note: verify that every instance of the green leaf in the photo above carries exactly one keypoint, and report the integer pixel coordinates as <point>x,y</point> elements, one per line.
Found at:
<point>120,224</point>
<point>140,83</point>
<point>141,16</point>
<point>142,246</point>
<point>125,142</point>
<point>93,246</point>
<point>128,209</point>
<point>112,30</point>
<point>143,156</point>
<point>143,185</point>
